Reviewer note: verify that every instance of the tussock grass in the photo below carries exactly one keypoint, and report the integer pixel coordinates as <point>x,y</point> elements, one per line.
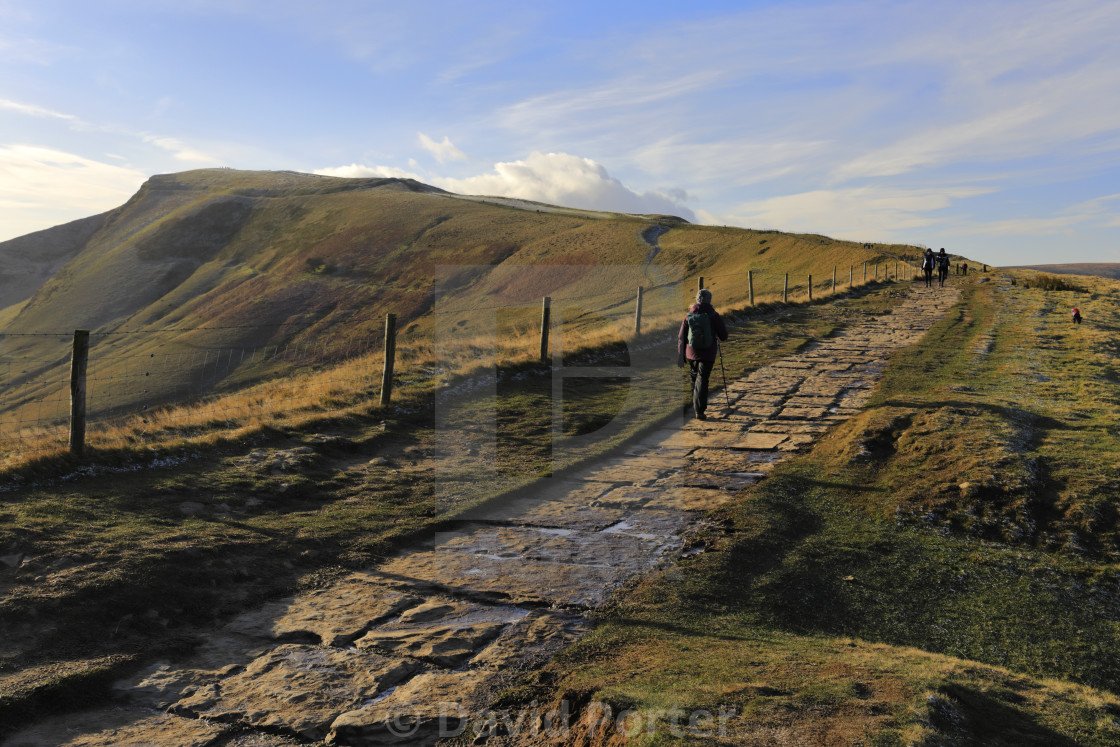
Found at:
<point>1053,283</point>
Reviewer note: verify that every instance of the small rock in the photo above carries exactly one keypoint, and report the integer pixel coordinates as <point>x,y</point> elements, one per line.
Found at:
<point>12,561</point>
<point>63,562</point>
<point>191,508</point>
<point>283,488</point>
<point>378,462</point>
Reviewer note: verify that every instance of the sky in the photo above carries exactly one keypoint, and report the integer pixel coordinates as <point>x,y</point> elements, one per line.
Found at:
<point>989,128</point>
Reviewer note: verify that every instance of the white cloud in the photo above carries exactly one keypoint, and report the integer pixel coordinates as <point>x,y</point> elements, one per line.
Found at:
<point>357,171</point>
<point>553,178</point>
<point>563,179</point>
<point>179,150</point>
<point>442,152</point>
<point>32,110</point>
<point>859,213</point>
<point>46,187</point>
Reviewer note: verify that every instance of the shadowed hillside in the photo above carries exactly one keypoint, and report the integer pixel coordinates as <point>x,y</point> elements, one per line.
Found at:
<point>1100,269</point>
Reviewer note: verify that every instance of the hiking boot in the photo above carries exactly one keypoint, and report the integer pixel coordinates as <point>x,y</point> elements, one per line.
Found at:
<point>701,416</point>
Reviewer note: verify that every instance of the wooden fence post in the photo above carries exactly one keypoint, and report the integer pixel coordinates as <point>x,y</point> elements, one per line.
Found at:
<point>390,358</point>
<point>851,276</point>
<point>638,314</point>
<point>785,289</point>
<point>750,287</point>
<point>833,279</point>
<point>546,317</point>
<point>810,287</point>
<point>896,270</point>
<point>79,361</point>
<point>700,284</point>
<point>865,273</point>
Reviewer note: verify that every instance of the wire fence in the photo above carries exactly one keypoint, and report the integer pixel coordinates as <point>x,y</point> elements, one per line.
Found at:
<point>146,386</point>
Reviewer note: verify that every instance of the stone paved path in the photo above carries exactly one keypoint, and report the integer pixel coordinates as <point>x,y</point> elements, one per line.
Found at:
<point>381,656</point>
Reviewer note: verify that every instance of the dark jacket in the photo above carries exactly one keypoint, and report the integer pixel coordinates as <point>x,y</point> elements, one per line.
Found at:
<point>717,326</point>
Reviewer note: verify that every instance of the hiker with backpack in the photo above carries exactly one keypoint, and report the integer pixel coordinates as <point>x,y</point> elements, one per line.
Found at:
<point>1075,315</point>
<point>942,268</point>
<point>927,267</point>
<point>698,343</point>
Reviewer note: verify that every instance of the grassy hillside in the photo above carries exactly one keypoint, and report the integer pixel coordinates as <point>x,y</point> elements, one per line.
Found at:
<point>29,261</point>
<point>220,265</point>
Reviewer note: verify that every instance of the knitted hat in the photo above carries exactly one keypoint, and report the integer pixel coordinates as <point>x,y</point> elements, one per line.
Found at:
<point>704,296</point>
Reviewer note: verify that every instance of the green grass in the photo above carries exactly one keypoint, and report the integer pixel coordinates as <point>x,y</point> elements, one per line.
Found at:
<point>861,595</point>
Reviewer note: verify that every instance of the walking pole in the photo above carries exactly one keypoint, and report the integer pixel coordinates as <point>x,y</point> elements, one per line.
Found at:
<point>723,373</point>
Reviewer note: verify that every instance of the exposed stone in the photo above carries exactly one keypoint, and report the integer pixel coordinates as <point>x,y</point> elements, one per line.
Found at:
<point>513,579</point>
<point>758,441</point>
<point>442,630</point>
<point>531,640</point>
<point>298,688</point>
<point>191,508</point>
<point>335,615</point>
<point>545,513</point>
<point>446,646</point>
<point>426,708</point>
<point>113,727</point>
<point>161,684</point>
<point>629,496</point>
<point>688,499</point>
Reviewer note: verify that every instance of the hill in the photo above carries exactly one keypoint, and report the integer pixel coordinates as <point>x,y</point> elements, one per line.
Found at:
<point>1100,269</point>
<point>219,263</point>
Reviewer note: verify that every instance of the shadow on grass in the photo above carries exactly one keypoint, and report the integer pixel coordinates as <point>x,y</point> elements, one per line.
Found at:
<point>980,717</point>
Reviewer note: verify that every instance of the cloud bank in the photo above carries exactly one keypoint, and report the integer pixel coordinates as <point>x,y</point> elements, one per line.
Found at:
<point>554,178</point>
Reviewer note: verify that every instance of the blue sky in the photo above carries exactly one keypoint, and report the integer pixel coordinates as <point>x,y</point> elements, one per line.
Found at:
<point>989,128</point>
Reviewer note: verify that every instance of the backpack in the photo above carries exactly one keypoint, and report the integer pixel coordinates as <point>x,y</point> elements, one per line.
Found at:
<point>700,335</point>
<point>927,262</point>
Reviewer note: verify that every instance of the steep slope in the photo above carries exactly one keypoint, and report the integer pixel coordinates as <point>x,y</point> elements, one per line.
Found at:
<point>26,262</point>
<point>223,259</point>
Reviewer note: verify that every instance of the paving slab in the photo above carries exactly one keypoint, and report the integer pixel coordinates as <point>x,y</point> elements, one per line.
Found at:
<point>688,499</point>
<point>756,441</point>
